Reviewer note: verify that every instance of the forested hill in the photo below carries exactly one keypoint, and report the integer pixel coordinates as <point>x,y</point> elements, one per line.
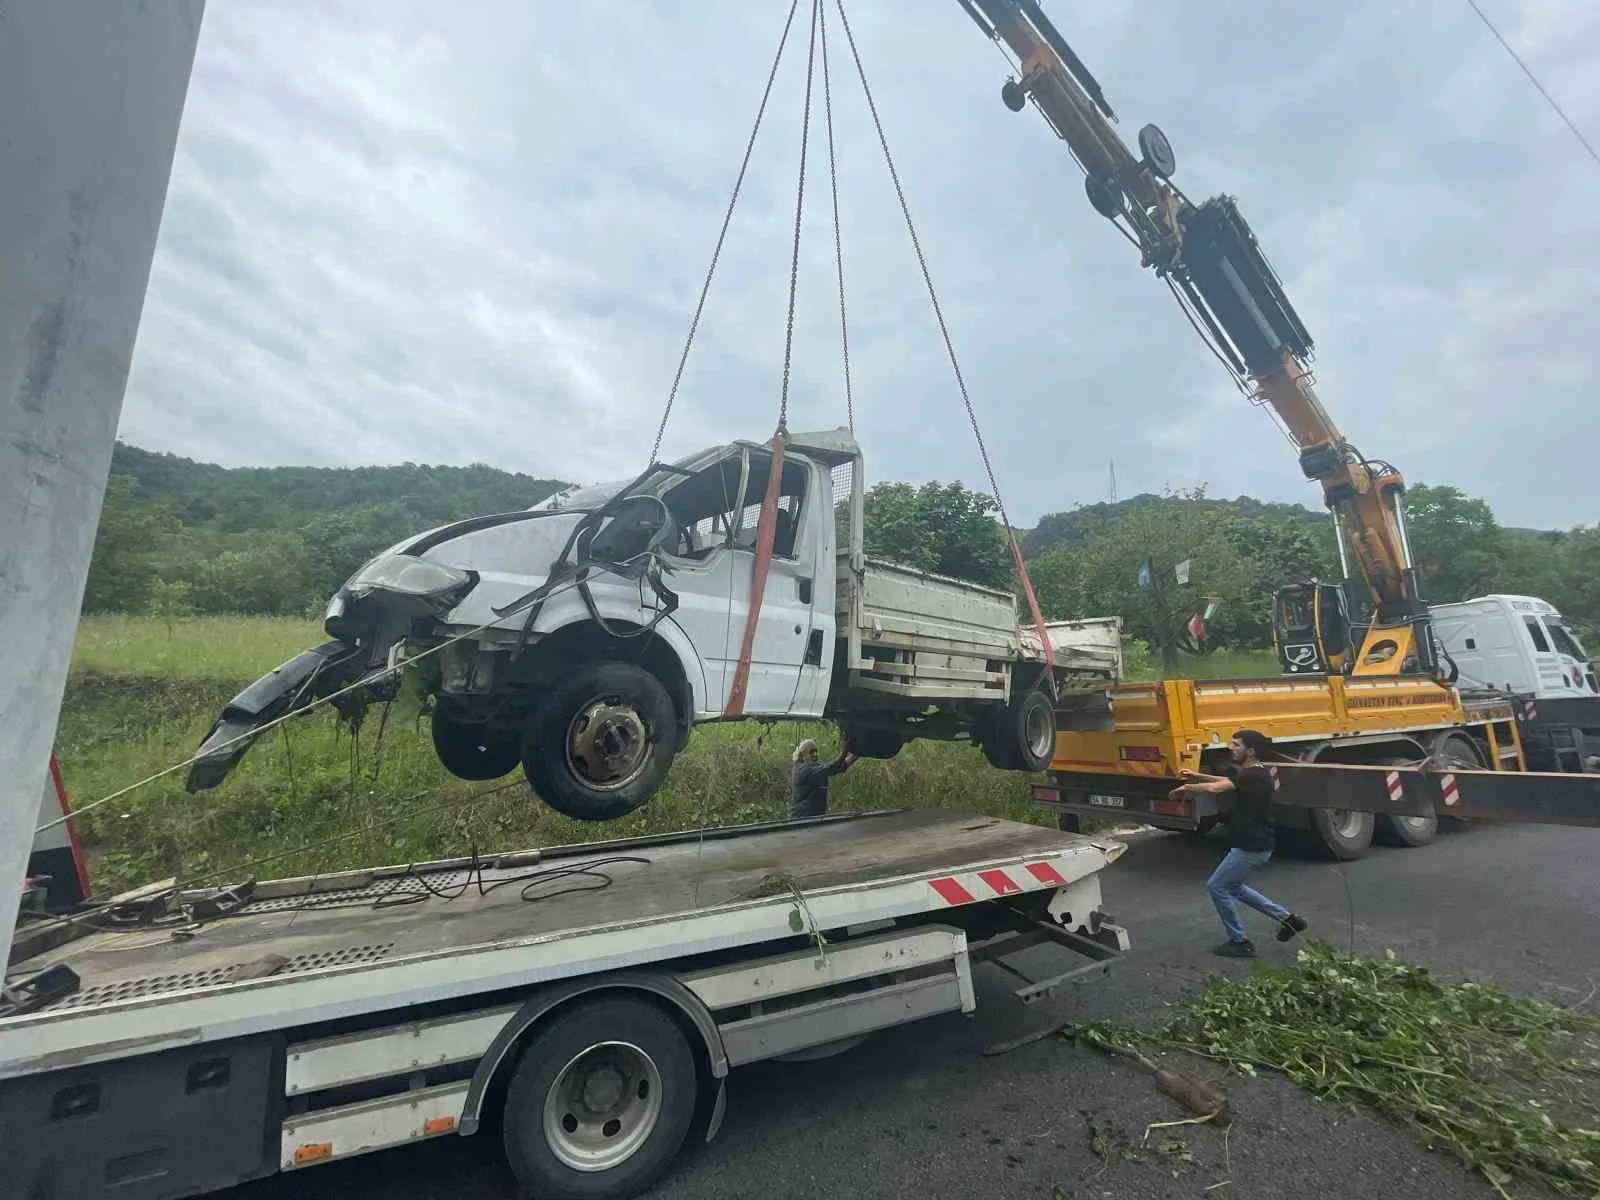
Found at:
<point>235,499</point>
<point>178,535</point>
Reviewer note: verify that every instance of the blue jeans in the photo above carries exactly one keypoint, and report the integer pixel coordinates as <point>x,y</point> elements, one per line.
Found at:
<point>1227,885</point>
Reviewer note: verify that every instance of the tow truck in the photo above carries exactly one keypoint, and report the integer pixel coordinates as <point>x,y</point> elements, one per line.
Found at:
<point>1380,689</point>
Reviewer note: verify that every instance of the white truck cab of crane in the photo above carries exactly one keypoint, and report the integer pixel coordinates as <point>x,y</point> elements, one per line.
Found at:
<point>1518,644</point>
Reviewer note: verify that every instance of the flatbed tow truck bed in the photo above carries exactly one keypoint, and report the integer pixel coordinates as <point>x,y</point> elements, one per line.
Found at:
<point>597,994</point>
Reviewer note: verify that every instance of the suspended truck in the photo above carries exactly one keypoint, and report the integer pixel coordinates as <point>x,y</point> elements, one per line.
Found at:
<point>583,638</point>
<point>1380,689</point>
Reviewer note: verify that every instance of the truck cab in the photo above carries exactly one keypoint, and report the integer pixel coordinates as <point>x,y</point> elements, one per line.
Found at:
<point>1516,644</point>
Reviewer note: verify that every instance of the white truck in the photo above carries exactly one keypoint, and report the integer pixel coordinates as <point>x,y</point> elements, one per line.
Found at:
<point>587,1000</point>
<point>1522,646</point>
<point>583,638</point>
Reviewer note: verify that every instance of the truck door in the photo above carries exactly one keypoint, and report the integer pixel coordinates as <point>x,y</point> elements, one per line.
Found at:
<point>1552,679</point>
<point>784,625</point>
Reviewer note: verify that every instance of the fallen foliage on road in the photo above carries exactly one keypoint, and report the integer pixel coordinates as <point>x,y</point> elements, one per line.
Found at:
<point>1510,1085</point>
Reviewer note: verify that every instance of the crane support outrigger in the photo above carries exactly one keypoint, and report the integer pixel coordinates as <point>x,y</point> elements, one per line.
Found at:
<point>1210,258</point>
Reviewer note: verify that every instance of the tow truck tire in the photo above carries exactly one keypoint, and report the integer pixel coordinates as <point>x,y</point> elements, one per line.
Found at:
<point>600,1101</point>
<point>466,752</point>
<point>1342,835</point>
<point>1023,737</point>
<point>602,742</point>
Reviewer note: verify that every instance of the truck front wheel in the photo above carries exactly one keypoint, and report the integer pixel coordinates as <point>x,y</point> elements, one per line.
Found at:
<point>467,751</point>
<point>600,1101</point>
<point>602,741</point>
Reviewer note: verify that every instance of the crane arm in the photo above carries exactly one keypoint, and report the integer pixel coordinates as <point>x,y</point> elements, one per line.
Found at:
<point>1209,257</point>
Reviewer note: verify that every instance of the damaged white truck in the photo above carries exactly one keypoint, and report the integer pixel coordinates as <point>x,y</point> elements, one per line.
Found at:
<point>583,638</point>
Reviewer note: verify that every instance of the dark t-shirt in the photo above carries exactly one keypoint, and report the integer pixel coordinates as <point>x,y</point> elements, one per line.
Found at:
<point>1250,821</point>
<point>811,786</point>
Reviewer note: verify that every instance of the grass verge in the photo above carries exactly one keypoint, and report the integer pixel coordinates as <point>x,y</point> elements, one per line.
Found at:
<point>1509,1085</point>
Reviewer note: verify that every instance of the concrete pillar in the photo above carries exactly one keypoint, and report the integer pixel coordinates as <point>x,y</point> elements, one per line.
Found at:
<point>91,94</point>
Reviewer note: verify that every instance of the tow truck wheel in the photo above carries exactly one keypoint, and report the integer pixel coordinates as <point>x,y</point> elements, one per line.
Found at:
<point>467,752</point>
<point>602,742</point>
<point>600,1101</point>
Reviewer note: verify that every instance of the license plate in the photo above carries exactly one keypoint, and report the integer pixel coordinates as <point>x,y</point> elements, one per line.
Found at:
<point>1107,801</point>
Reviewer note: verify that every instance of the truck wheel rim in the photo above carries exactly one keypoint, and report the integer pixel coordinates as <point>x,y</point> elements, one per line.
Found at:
<point>1038,734</point>
<point>602,1107</point>
<point>1345,824</point>
<point>608,746</point>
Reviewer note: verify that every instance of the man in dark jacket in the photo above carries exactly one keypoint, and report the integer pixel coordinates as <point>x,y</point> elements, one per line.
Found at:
<point>1250,833</point>
<point>811,777</point>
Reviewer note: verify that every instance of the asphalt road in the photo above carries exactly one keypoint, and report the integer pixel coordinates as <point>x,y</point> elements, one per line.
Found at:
<point>919,1111</point>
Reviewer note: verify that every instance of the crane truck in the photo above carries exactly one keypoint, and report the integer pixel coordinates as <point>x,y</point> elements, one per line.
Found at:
<point>1379,682</point>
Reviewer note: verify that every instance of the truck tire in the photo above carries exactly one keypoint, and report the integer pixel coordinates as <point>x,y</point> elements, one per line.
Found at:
<point>1404,831</point>
<point>602,742</point>
<point>1342,835</point>
<point>1023,734</point>
<point>467,753</point>
<point>600,1101</point>
<point>869,742</point>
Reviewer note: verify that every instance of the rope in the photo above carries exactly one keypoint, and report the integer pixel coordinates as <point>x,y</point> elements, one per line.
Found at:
<point>794,254</point>
<point>838,245</point>
<point>944,331</point>
<point>727,217</point>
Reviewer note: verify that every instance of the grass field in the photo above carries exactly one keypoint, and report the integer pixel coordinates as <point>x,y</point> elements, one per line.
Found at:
<point>315,797</point>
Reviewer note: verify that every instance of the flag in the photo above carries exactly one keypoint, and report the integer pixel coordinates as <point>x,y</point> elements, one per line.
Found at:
<point>1212,604</point>
<point>1197,627</point>
<point>1144,574</point>
<point>1182,571</point>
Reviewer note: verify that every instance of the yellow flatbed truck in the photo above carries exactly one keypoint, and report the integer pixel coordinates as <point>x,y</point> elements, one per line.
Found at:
<point>1121,758</point>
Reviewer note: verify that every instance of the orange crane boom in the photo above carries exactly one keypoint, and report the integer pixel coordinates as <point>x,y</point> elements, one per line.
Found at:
<point>1210,259</point>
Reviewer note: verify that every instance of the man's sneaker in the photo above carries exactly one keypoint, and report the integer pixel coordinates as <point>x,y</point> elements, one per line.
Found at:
<point>1232,949</point>
<point>1290,926</point>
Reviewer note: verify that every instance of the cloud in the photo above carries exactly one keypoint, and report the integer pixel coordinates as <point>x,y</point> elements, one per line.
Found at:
<point>397,235</point>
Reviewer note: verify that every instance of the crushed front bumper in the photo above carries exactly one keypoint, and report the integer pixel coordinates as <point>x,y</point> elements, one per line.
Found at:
<point>308,676</point>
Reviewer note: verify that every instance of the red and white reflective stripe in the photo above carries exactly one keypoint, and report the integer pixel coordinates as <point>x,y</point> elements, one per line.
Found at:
<point>972,886</point>
<point>1396,792</point>
<point>1447,785</point>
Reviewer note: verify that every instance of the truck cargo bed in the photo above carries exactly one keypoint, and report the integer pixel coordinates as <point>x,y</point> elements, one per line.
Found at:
<point>337,946</point>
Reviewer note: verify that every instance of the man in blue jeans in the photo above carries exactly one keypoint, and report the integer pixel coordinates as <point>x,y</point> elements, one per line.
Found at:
<point>1249,821</point>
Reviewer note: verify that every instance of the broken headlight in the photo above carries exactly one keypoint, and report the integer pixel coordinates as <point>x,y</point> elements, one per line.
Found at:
<point>407,575</point>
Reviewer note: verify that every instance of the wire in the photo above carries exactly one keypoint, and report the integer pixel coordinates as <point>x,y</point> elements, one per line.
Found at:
<point>727,217</point>
<point>1534,79</point>
<point>838,242</point>
<point>799,206</point>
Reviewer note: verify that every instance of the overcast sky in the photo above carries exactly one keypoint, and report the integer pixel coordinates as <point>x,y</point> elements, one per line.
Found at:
<point>404,232</point>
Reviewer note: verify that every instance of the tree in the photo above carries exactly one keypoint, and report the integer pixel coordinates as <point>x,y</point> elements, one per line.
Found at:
<point>128,547</point>
<point>1455,542</point>
<point>939,527</point>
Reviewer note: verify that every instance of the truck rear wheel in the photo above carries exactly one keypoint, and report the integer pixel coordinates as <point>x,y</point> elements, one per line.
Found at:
<point>1023,734</point>
<point>602,742</point>
<point>600,1101</point>
<point>1341,834</point>
<point>1405,831</point>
